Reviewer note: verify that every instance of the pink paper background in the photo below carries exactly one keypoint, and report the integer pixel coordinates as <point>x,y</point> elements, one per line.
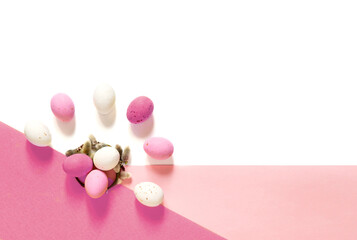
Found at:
<point>261,202</point>
<point>38,201</point>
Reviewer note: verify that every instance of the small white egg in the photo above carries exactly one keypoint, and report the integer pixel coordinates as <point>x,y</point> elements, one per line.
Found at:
<point>37,133</point>
<point>106,158</point>
<point>149,194</point>
<point>104,98</point>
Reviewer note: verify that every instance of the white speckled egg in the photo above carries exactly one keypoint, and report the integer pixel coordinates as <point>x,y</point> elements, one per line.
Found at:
<point>104,98</point>
<point>37,133</point>
<point>106,158</point>
<point>149,194</point>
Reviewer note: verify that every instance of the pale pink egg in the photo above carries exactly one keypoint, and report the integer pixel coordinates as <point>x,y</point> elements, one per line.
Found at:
<point>96,183</point>
<point>62,107</point>
<point>158,148</point>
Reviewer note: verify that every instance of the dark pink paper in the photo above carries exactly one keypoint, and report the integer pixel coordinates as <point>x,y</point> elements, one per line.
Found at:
<point>39,201</point>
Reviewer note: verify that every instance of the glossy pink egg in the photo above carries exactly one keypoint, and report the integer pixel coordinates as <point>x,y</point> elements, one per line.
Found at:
<point>96,183</point>
<point>158,148</point>
<point>62,107</point>
<point>77,165</point>
<point>140,109</point>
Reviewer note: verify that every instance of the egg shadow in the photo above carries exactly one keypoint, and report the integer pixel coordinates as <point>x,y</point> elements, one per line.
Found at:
<point>98,208</point>
<point>150,214</point>
<point>169,161</point>
<point>39,155</point>
<point>67,128</point>
<point>160,169</point>
<point>108,119</point>
<point>143,129</point>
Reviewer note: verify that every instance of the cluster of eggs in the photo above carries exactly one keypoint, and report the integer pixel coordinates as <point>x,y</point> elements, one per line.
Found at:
<point>98,173</point>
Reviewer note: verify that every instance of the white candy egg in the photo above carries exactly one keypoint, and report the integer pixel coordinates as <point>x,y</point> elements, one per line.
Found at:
<point>149,194</point>
<point>37,133</point>
<point>104,98</point>
<point>106,158</point>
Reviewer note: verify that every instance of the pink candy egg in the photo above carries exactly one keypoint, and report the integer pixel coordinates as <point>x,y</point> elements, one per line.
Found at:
<point>140,109</point>
<point>77,165</point>
<point>111,174</point>
<point>96,183</point>
<point>62,107</point>
<point>158,148</point>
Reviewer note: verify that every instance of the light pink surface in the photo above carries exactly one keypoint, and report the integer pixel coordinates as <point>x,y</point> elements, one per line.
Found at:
<point>62,107</point>
<point>261,202</point>
<point>158,148</point>
<point>39,201</point>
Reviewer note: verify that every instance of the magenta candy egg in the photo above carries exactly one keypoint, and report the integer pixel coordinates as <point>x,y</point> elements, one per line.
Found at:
<point>158,148</point>
<point>62,107</point>
<point>96,183</point>
<point>77,165</point>
<point>112,175</point>
<point>140,109</point>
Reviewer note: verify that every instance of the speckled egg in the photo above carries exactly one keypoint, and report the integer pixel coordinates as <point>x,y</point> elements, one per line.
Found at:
<point>37,133</point>
<point>149,194</point>
<point>77,165</point>
<point>158,148</point>
<point>140,109</point>
<point>96,183</point>
<point>104,98</point>
<point>106,158</point>
<point>62,107</point>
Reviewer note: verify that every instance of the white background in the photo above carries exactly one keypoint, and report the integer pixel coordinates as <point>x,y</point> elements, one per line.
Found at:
<point>233,82</point>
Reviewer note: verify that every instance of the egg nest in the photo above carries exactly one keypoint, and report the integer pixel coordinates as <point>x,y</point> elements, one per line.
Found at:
<point>91,146</point>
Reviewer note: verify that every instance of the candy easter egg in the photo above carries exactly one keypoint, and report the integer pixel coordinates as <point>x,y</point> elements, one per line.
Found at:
<point>77,165</point>
<point>96,183</point>
<point>37,133</point>
<point>104,98</point>
<point>158,148</point>
<point>149,194</point>
<point>140,109</point>
<point>62,107</point>
<point>106,158</point>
